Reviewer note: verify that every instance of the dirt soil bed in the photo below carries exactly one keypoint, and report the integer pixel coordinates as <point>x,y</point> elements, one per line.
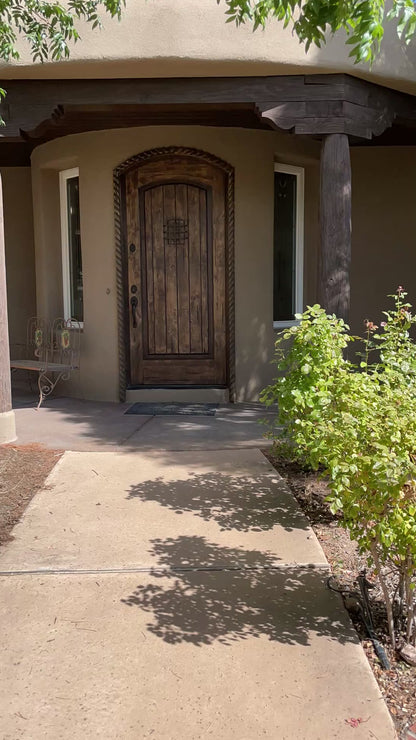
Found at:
<point>398,685</point>
<point>23,471</point>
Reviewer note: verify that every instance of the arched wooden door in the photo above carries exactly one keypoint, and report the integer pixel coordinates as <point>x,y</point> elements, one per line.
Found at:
<point>176,273</point>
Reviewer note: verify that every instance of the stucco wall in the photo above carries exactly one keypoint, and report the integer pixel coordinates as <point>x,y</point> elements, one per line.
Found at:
<point>175,38</point>
<point>252,153</point>
<point>384,229</point>
<point>20,258</point>
<point>383,249</point>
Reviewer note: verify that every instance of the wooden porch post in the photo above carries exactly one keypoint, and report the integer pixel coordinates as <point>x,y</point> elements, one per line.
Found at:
<point>7,420</point>
<point>335,214</point>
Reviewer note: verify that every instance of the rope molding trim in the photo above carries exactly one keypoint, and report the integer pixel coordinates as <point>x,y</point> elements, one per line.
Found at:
<point>118,174</point>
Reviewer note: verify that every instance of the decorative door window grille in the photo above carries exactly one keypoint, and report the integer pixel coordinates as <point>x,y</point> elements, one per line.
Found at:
<point>175,232</point>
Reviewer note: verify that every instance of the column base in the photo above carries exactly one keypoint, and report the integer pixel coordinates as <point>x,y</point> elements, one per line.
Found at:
<point>7,427</point>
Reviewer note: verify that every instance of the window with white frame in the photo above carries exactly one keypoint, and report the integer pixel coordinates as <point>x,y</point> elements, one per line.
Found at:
<point>288,244</point>
<point>71,245</point>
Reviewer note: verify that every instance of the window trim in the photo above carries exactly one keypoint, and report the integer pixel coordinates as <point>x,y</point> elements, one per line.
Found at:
<point>64,176</point>
<point>299,172</point>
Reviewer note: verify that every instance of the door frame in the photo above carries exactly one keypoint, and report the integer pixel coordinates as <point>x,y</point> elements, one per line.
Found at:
<point>121,247</point>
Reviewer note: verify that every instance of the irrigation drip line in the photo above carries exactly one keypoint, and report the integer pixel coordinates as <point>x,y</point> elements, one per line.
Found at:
<point>365,611</point>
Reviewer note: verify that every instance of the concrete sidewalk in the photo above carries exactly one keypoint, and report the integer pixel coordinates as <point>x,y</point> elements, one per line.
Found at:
<point>72,424</point>
<point>175,595</point>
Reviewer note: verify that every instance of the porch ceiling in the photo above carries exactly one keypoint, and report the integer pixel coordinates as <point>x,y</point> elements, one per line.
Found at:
<point>37,111</point>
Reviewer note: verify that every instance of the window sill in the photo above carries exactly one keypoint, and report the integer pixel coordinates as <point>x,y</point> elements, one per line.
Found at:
<point>75,324</point>
<point>285,324</point>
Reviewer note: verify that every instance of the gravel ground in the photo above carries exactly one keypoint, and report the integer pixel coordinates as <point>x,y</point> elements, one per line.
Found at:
<point>398,685</point>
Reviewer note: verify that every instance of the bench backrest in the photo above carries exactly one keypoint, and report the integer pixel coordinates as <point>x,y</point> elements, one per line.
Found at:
<point>54,342</point>
<point>65,342</point>
<point>38,338</point>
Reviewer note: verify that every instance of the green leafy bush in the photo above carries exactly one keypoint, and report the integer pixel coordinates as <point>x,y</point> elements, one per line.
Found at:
<point>357,422</point>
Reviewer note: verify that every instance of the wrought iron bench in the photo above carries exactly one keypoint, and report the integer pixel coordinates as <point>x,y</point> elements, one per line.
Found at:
<point>52,350</point>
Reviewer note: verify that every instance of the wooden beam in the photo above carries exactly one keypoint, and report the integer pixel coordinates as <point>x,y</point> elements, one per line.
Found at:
<point>7,421</point>
<point>15,153</point>
<point>29,102</point>
<point>335,222</point>
<point>70,119</point>
<point>36,111</point>
<point>314,104</point>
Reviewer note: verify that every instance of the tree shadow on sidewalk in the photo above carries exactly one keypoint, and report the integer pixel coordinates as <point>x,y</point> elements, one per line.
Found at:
<point>240,595</point>
<point>253,503</point>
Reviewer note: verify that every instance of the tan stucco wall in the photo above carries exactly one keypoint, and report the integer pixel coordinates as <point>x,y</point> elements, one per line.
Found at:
<point>384,229</point>
<point>175,38</point>
<point>383,248</point>
<point>20,258</point>
<point>252,153</point>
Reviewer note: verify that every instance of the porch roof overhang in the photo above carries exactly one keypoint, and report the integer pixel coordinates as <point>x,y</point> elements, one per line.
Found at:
<point>311,105</point>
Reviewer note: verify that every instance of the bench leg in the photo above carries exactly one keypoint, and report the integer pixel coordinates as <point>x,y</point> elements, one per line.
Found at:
<point>46,385</point>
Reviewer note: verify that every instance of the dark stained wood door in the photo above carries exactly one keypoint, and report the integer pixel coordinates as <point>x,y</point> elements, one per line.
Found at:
<point>176,242</point>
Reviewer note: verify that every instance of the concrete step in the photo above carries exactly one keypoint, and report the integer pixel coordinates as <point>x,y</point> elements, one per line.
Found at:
<point>202,394</point>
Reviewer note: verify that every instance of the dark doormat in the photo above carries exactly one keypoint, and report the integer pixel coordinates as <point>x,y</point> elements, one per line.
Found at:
<point>173,409</point>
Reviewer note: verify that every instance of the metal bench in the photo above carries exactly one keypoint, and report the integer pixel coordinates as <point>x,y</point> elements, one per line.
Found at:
<point>52,350</point>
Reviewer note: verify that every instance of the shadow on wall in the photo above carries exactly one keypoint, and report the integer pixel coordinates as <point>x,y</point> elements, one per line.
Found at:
<point>254,369</point>
<point>201,607</point>
<point>233,502</point>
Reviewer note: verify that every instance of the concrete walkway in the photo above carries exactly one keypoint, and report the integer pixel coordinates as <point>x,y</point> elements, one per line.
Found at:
<point>71,424</point>
<point>174,594</point>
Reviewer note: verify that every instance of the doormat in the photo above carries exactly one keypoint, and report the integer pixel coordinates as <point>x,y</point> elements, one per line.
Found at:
<point>173,409</point>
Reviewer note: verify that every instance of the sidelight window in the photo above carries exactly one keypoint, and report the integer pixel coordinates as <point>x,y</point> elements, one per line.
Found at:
<point>288,244</point>
<point>71,245</point>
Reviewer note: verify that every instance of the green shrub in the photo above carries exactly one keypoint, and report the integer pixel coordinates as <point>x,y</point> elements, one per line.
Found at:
<point>357,422</point>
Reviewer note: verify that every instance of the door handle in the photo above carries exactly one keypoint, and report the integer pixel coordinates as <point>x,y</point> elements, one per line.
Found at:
<point>134,303</point>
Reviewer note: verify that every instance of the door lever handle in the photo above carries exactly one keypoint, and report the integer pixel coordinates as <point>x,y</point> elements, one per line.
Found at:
<point>134,303</point>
